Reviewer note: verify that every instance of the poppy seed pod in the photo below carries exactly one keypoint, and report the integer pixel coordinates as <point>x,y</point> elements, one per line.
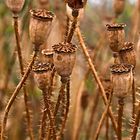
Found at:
<point>15,5</point>
<point>42,74</point>
<point>116,36</point>
<point>40,25</point>
<point>48,54</point>
<point>119,6</point>
<point>75,5</point>
<point>127,54</point>
<point>64,58</point>
<point>122,79</point>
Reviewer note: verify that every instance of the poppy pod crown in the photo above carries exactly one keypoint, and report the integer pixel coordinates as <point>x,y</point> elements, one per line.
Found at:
<point>64,58</point>
<point>42,74</point>
<point>40,25</point>
<point>127,54</point>
<point>116,36</point>
<point>121,78</point>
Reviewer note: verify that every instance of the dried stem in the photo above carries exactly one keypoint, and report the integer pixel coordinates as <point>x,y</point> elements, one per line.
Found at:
<point>82,44</point>
<point>15,93</point>
<point>133,98</point>
<point>66,111</point>
<point>136,124</point>
<point>67,29</point>
<point>73,27</point>
<point>48,108</point>
<point>120,115</point>
<point>90,123</point>
<point>107,127</point>
<point>28,116</point>
<point>97,132</point>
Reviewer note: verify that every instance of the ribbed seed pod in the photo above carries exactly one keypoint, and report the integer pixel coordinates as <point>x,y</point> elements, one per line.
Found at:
<point>127,54</point>
<point>48,54</point>
<point>119,6</point>
<point>121,78</point>
<point>75,5</point>
<point>15,5</point>
<point>116,36</point>
<point>42,74</point>
<point>64,59</point>
<point>40,24</point>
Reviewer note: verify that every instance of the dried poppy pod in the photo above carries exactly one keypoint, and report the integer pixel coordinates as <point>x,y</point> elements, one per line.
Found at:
<point>40,25</point>
<point>42,74</point>
<point>119,7</point>
<point>127,54</point>
<point>48,54</point>
<point>64,59</point>
<point>15,5</point>
<point>122,79</point>
<point>116,36</point>
<point>73,5</point>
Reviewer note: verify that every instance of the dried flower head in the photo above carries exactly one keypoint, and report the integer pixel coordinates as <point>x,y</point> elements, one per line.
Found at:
<point>15,5</point>
<point>119,6</point>
<point>42,74</point>
<point>75,5</point>
<point>64,58</point>
<point>121,78</point>
<point>40,25</point>
<point>116,36</point>
<point>127,54</point>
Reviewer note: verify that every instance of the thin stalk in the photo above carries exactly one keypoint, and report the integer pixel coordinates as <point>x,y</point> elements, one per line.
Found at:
<point>82,44</point>
<point>90,122</point>
<point>133,98</point>
<point>67,29</point>
<point>97,132</point>
<point>120,115</point>
<point>107,127</point>
<point>15,93</point>
<point>66,111</point>
<point>136,124</point>
<point>73,27</point>
<point>28,116</point>
<point>50,114</point>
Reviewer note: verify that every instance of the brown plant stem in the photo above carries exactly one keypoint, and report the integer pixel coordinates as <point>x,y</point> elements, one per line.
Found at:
<point>133,98</point>
<point>97,132</point>
<point>66,30</point>
<point>136,124</point>
<point>90,122</point>
<point>28,116</point>
<point>15,93</point>
<point>73,27</point>
<point>48,108</point>
<point>107,127</point>
<point>66,111</point>
<point>120,115</point>
<point>82,44</point>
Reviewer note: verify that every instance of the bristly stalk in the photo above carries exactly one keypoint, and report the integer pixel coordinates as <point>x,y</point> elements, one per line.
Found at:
<point>15,93</point>
<point>66,111</point>
<point>133,98</point>
<point>97,132</point>
<point>136,124</point>
<point>120,115</point>
<point>28,116</point>
<point>82,44</point>
<point>67,29</point>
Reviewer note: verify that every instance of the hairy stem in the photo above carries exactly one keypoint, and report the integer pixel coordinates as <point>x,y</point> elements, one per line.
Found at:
<point>28,116</point>
<point>133,98</point>
<point>82,44</point>
<point>66,30</point>
<point>15,93</point>
<point>120,115</point>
